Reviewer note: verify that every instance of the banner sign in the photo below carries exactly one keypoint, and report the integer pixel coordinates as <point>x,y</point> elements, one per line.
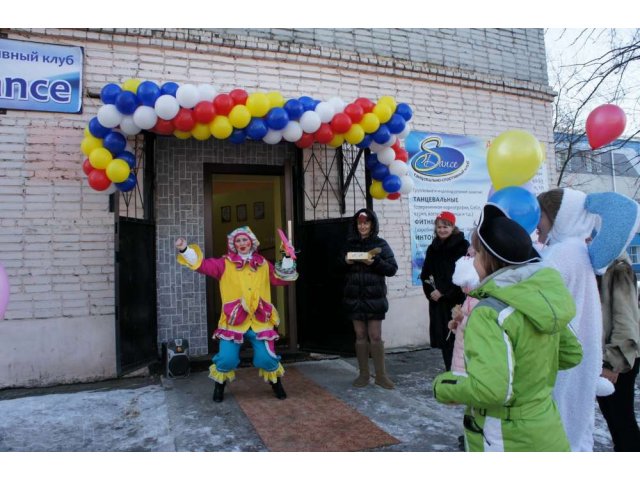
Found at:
<point>40,76</point>
<point>449,173</point>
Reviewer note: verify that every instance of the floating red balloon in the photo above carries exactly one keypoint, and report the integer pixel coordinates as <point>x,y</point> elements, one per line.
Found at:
<point>341,123</point>
<point>239,96</point>
<point>324,134</point>
<point>204,112</point>
<point>604,124</point>
<point>224,103</point>
<point>98,180</point>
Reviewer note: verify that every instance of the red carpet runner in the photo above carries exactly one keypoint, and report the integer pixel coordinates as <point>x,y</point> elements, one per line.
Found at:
<point>309,420</point>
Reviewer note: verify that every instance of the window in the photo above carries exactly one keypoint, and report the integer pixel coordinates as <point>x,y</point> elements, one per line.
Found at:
<point>634,253</point>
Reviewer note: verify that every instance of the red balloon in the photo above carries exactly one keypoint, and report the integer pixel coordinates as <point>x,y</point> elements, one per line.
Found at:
<point>341,123</point>
<point>366,104</point>
<point>305,141</point>
<point>402,155</point>
<point>163,127</point>
<point>98,180</point>
<point>224,103</point>
<point>393,196</point>
<point>239,96</point>
<point>204,112</point>
<point>604,124</point>
<point>184,120</point>
<point>86,167</point>
<point>396,146</point>
<point>354,111</point>
<point>324,134</point>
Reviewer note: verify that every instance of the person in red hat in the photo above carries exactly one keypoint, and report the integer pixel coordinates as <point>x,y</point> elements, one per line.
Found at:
<point>442,294</point>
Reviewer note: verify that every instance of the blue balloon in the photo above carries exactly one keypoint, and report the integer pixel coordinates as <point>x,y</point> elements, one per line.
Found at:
<point>128,184</point>
<point>520,205</point>
<point>257,129</point>
<point>277,118</point>
<point>238,136</point>
<point>169,88</point>
<point>148,92</point>
<point>97,129</point>
<point>371,161</point>
<point>391,183</point>
<point>404,111</point>
<point>382,135</point>
<point>294,109</point>
<point>396,124</point>
<point>127,102</point>
<point>128,157</point>
<point>308,103</point>
<point>109,93</point>
<point>366,141</point>
<point>380,172</point>
<point>115,143</point>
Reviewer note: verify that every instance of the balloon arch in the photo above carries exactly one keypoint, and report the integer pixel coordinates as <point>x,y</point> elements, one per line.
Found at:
<point>199,111</point>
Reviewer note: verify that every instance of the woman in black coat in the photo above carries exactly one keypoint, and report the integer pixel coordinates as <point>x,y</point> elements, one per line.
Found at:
<point>447,247</point>
<point>365,293</point>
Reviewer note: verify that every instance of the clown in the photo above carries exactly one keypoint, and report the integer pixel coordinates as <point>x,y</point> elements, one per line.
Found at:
<point>245,277</point>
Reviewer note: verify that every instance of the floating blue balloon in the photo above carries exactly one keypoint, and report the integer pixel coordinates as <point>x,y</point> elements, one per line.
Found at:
<point>129,184</point>
<point>366,141</point>
<point>382,135</point>
<point>391,184</point>
<point>257,129</point>
<point>148,92</point>
<point>308,103</point>
<point>520,205</point>
<point>379,172</point>
<point>277,118</point>
<point>127,102</point>
<point>404,111</point>
<point>128,157</point>
<point>97,129</point>
<point>396,124</point>
<point>115,143</point>
<point>238,136</point>
<point>372,161</point>
<point>169,88</point>
<point>109,93</point>
<point>294,109</point>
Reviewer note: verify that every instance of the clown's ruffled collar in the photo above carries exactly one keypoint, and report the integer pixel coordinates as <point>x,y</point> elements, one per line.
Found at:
<point>254,261</point>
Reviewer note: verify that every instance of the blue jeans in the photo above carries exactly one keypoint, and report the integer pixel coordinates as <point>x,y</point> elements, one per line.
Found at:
<point>228,356</point>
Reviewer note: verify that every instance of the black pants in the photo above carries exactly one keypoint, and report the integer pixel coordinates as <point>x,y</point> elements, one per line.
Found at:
<point>618,410</point>
<point>447,352</point>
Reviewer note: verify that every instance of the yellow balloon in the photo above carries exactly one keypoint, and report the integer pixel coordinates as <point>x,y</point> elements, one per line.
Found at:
<point>100,158</point>
<point>513,158</point>
<point>370,122</point>
<point>87,132</point>
<point>383,112</point>
<point>181,134</point>
<point>131,84</point>
<point>337,141</point>
<point>377,191</point>
<point>239,116</point>
<point>201,131</point>
<point>221,127</point>
<point>89,144</point>
<point>258,104</point>
<point>275,99</point>
<point>355,134</point>
<point>118,170</point>
<point>388,101</point>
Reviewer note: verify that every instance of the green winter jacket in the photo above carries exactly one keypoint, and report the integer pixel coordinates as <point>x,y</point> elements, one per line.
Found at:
<point>515,341</point>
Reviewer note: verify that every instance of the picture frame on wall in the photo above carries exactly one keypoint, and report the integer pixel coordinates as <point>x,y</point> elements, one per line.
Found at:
<point>258,210</point>
<point>241,212</point>
<point>225,214</point>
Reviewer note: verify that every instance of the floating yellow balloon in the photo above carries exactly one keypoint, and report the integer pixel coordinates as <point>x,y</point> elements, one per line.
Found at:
<point>201,131</point>
<point>258,104</point>
<point>275,99</point>
<point>377,191</point>
<point>118,170</point>
<point>100,157</point>
<point>337,141</point>
<point>89,144</point>
<point>181,134</point>
<point>240,116</point>
<point>383,112</point>
<point>513,158</point>
<point>131,84</point>
<point>355,134</point>
<point>370,122</point>
<point>221,127</point>
<point>388,101</point>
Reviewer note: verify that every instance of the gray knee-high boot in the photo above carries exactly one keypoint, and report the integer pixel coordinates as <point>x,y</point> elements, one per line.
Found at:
<point>362,353</point>
<point>377,353</point>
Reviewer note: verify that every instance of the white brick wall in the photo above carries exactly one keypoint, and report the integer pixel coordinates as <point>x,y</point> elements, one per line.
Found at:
<point>56,234</point>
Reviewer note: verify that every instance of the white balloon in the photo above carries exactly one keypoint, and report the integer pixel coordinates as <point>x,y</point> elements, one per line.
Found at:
<point>404,133</point>
<point>398,167</point>
<point>109,116</point>
<point>206,92</point>
<point>390,142</point>
<point>376,147</point>
<point>338,104</point>
<point>145,117</point>
<point>310,121</point>
<point>325,111</point>
<point>386,156</point>
<point>167,107</point>
<point>128,126</point>
<point>187,95</point>
<point>407,184</point>
<point>112,189</point>
<point>272,137</point>
<point>292,132</point>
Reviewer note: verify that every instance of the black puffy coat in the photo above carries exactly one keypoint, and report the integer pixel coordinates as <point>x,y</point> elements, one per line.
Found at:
<point>365,289</point>
<point>440,262</point>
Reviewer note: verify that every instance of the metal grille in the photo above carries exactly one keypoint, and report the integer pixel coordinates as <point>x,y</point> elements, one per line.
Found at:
<point>137,202</point>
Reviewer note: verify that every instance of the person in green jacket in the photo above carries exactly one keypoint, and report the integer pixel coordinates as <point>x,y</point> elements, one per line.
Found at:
<point>516,340</point>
